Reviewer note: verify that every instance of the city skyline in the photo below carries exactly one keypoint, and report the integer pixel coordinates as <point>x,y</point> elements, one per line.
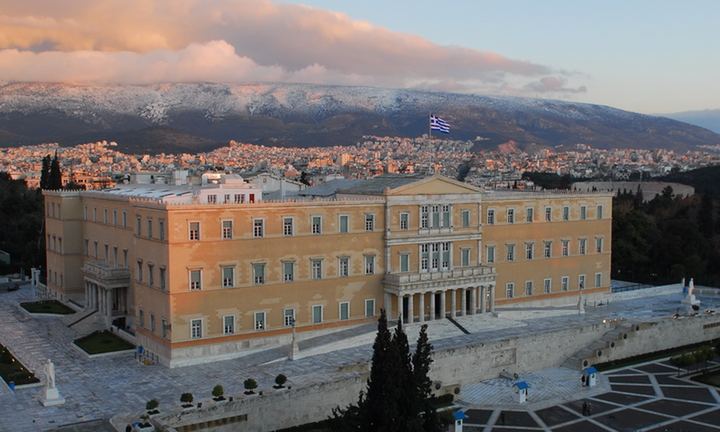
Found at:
<point>642,56</point>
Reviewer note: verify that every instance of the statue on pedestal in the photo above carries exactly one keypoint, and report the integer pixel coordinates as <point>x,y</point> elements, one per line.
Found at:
<point>690,298</point>
<point>52,395</point>
<point>49,369</point>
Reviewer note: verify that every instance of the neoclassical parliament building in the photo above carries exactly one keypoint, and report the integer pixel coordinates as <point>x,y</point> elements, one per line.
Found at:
<point>207,272</point>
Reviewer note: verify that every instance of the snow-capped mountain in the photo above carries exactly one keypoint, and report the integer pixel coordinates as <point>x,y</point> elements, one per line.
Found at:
<point>198,116</point>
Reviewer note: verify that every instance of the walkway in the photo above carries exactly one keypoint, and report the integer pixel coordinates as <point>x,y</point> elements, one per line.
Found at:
<point>101,387</point>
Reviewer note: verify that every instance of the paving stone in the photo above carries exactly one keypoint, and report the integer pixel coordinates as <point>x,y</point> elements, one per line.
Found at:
<point>644,390</point>
<point>712,417</point>
<point>478,417</point>
<point>629,419</point>
<point>684,426</point>
<point>556,415</point>
<point>584,426</point>
<point>516,418</point>
<point>635,379</point>
<point>673,407</point>
<point>621,399</point>
<point>699,394</point>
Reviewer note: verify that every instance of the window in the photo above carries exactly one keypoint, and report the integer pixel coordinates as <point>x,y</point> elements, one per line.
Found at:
<point>162,278</point>
<point>96,250</point>
<point>125,258</point>
<point>227,229</point>
<point>404,221</point>
<point>598,244</point>
<point>259,320</point>
<point>317,225</point>
<point>317,314</point>
<point>344,223</point>
<point>528,288</point>
<point>161,229</point>
<point>370,307</point>
<point>343,267</point>
<point>194,230</point>
<point>124,219</point>
<point>229,324</point>
<point>465,257</point>
<point>446,216</point>
<point>435,216</point>
<point>547,286</point>
<point>424,214</point>
<point>435,256</point>
<point>548,214</point>
<point>564,283</point>
<point>196,329</point>
<point>139,271</point>
<point>344,310</point>
<point>87,247</point>
<point>141,318</point>
<point>582,243</point>
<point>288,271</point>
<point>509,290</point>
<point>164,327</point>
<point>105,216</point>
<point>404,262</point>
<point>565,247</point>
<point>529,251</point>
<point>547,249</point>
<point>583,212</point>
<point>226,198</point>
<point>151,274</point>
<point>581,282</point>
<point>598,280</point>
<point>138,225</point>
<point>195,280</point>
<point>212,199</point>
<point>152,323</point>
<point>424,256</point>
<point>288,317</point>
<point>149,228</point>
<point>316,267</point>
<point>529,214</point>
<point>369,222</point>
<point>369,264</point>
<point>258,274</point>
<point>115,256</point>
<point>238,198</point>
<point>599,211</point>
<point>94,214</point>
<point>510,253</point>
<point>258,228</point>
<point>114,217</point>
<point>228,277</point>
<point>465,219</point>
<point>491,217</point>
<point>511,216</point>
<point>566,213</point>
<point>287,226</point>
<point>490,254</point>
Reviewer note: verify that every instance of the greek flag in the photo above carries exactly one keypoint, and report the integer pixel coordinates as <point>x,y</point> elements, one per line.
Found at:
<point>438,124</point>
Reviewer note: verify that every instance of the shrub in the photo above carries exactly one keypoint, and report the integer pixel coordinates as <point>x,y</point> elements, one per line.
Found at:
<point>250,384</point>
<point>152,404</point>
<point>218,391</point>
<point>186,398</point>
<point>280,380</point>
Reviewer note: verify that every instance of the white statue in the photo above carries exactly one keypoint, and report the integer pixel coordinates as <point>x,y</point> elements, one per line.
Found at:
<point>49,369</point>
<point>691,288</point>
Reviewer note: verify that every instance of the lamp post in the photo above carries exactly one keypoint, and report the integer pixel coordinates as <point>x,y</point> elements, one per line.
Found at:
<point>294,349</point>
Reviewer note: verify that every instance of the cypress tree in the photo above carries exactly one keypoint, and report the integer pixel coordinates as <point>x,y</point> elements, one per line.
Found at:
<point>408,401</point>
<point>55,181</point>
<point>45,173</point>
<point>421,360</point>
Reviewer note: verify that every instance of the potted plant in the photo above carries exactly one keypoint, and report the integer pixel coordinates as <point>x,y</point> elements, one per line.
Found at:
<point>218,392</point>
<point>186,399</point>
<point>144,425</point>
<point>280,381</point>
<point>250,385</point>
<point>151,407</point>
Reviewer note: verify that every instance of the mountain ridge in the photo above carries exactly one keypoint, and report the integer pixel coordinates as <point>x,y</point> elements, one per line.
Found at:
<point>308,115</point>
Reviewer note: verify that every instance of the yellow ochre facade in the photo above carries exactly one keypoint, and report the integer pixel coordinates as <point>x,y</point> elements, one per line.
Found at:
<point>198,274</point>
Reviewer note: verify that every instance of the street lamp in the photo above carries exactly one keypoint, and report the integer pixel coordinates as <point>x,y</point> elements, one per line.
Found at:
<point>294,349</point>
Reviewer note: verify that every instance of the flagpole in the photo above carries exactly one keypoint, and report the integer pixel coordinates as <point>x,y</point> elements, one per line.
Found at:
<point>429,126</point>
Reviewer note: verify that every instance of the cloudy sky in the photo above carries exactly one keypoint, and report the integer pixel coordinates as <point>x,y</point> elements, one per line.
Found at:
<point>651,56</point>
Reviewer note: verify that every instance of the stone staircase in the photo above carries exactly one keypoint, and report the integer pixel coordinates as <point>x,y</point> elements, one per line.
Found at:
<point>597,351</point>
<point>83,322</point>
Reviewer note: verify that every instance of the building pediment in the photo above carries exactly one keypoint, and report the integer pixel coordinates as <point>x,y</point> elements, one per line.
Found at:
<point>435,185</point>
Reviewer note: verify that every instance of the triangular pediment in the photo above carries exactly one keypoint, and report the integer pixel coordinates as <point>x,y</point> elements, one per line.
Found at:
<point>435,185</point>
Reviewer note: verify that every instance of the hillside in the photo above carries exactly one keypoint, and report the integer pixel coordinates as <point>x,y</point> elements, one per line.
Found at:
<point>191,117</point>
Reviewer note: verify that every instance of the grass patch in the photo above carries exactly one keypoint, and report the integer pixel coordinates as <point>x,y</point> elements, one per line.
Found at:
<point>711,378</point>
<point>12,370</point>
<point>102,342</point>
<point>48,307</point>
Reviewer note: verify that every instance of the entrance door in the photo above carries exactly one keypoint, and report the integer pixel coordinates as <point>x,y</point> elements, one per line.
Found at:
<point>405,301</point>
<point>438,312</point>
<point>468,301</point>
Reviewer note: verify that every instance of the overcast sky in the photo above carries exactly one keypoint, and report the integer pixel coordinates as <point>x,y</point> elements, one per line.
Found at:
<point>640,55</point>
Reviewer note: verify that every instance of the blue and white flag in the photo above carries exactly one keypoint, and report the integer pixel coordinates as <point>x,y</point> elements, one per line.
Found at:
<point>438,124</point>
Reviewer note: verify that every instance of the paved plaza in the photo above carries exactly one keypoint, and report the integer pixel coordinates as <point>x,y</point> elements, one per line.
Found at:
<point>643,397</point>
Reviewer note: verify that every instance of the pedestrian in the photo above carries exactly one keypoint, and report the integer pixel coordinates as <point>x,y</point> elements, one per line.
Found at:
<point>502,417</point>
<point>589,408</point>
<point>582,378</point>
<point>128,428</point>
<point>585,408</point>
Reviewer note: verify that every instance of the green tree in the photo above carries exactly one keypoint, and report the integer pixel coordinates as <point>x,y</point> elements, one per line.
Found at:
<point>55,182</point>
<point>45,173</point>
<point>422,359</point>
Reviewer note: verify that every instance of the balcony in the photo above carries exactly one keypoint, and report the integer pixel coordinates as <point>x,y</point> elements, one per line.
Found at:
<point>102,274</point>
<point>414,283</point>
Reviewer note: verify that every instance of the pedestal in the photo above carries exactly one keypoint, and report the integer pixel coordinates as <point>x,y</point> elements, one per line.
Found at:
<point>294,350</point>
<point>52,397</point>
<point>690,299</point>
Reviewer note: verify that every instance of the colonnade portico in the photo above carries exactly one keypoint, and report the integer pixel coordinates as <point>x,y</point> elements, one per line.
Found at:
<point>106,290</point>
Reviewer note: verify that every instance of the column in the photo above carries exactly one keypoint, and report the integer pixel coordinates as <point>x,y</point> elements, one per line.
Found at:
<point>388,305</point>
<point>108,302</point>
<point>87,294</point>
<point>443,308</point>
<point>473,300</point>
<point>411,307</point>
<point>432,307</point>
<point>483,298</point>
<point>421,307</point>
<point>492,298</point>
<point>463,301</point>
<point>453,302</point>
<point>400,307</point>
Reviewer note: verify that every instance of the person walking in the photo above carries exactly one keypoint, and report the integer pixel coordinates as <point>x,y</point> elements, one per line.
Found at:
<point>585,408</point>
